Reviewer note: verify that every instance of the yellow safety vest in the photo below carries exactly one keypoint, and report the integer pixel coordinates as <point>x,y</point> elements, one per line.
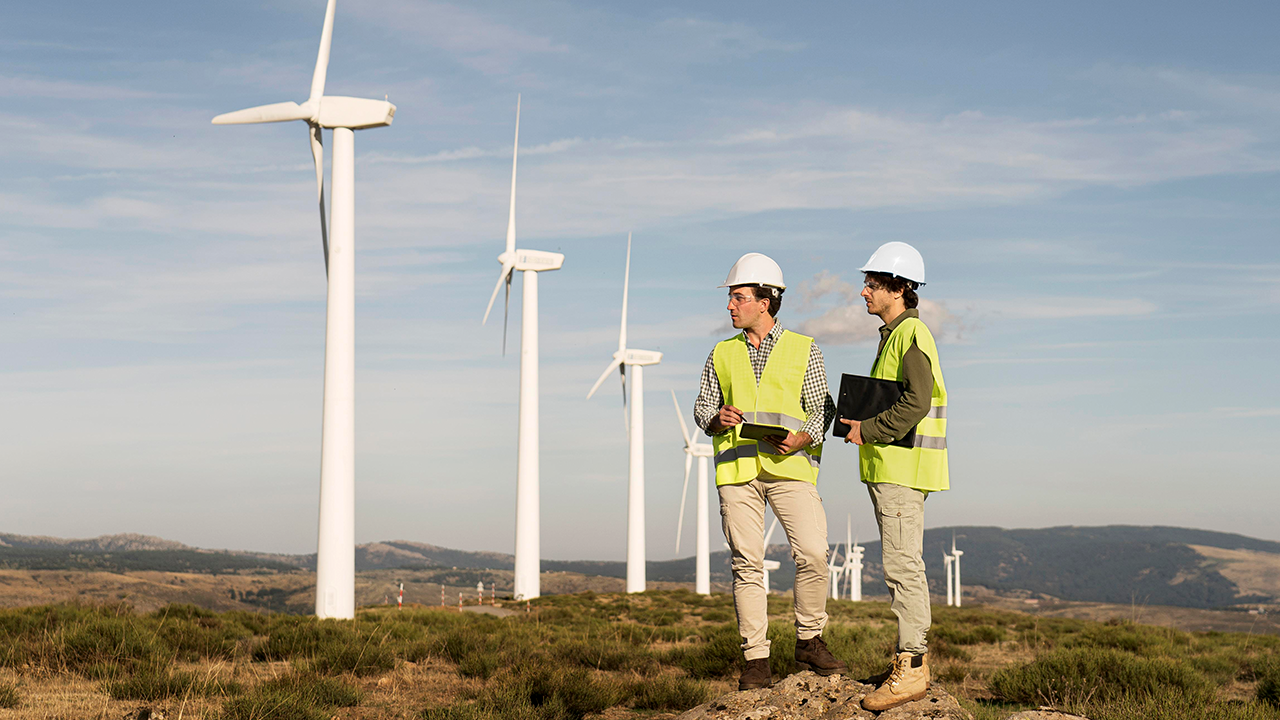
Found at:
<point>776,401</point>
<point>923,467</point>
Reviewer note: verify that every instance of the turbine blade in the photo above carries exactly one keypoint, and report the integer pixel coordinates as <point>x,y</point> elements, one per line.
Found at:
<point>275,112</point>
<point>322,57</point>
<point>511,215</point>
<point>317,154</point>
<point>504,276</point>
<point>612,366</point>
<point>684,429</point>
<point>688,463</point>
<point>772,526</point>
<point>626,280</point>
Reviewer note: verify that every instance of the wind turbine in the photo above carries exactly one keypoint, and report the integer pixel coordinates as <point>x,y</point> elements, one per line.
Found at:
<point>528,564</point>
<point>834,573</point>
<point>947,559</point>
<point>335,552</point>
<point>955,563</point>
<point>702,554</point>
<point>855,577</point>
<point>769,564</point>
<point>622,359</point>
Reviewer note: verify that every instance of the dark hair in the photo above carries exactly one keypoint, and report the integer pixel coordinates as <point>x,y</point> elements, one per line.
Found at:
<point>772,294</point>
<point>893,283</point>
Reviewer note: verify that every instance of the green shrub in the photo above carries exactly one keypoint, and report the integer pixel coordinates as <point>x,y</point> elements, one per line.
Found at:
<point>1076,675</point>
<point>361,660</point>
<point>9,695</point>
<point>1268,691</point>
<point>670,693</point>
<point>718,656</point>
<point>292,697</point>
<point>952,673</point>
<point>151,683</point>
<point>536,691</point>
<point>973,635</point>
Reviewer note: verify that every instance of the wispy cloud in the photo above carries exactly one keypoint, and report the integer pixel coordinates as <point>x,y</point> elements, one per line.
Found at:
<point>473,38</point>
<point>715,38</point>
<point>32,86</point>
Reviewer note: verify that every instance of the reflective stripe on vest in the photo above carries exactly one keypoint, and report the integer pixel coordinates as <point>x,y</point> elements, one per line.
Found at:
<point>745,451</point>
<point>774,400</point>
<point>923,466</point>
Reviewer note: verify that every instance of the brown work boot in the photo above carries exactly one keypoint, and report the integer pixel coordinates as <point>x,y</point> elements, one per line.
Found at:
<point>757,675</point>
<point>908,680</point>
<point>812,654</point>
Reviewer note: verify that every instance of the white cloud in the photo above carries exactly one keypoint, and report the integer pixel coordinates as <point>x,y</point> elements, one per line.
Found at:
<point>847,321</point>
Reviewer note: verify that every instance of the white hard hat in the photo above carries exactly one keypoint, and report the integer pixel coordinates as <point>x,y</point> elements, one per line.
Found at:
<point>897,258</point>
<point>755,269</point>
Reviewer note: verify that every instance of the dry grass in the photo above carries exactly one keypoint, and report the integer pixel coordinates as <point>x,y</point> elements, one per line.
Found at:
<point>608,656</point>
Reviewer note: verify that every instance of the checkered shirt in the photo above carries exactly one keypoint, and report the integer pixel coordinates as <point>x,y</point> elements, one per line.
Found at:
<point>815,397</point>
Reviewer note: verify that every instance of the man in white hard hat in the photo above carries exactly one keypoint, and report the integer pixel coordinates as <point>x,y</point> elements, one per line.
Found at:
<point>770,376</point>
<point>900,478</point>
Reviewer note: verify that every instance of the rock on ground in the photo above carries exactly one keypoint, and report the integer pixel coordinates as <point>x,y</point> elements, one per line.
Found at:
<point>808,696</point>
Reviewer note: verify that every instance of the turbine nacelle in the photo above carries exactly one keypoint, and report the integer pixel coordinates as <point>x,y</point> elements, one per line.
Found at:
<point>535,260</point>
<point>700,450</point>
<point>638,357</point>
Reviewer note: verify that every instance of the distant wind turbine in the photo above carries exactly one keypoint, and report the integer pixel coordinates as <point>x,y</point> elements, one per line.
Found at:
<point>702,553</point>
<point>335,553</point>
<point>955,565</point>
<point>853,564</point>
<point>769,564</point>
<point>946,564</point>
<point>622,359</point>
<point>528,517</point>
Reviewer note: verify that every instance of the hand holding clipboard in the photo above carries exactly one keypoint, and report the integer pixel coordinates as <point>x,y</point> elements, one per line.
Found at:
<point>862,398</point>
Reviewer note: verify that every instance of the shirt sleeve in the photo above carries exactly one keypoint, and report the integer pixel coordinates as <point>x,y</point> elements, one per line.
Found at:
<point>911,408</point>
<point>815,398</point>
<point>710,397</point>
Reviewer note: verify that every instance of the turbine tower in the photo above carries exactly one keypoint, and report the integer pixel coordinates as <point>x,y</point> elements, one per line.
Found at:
<point>768,564</point>
<point>834,573</point>
<point>622,359</point>
<point>335,551</point>
<point>702,554</point>
<point>955,565</point>
<point>851,571</point>
<point>528,564</point>
<point>946,564</point>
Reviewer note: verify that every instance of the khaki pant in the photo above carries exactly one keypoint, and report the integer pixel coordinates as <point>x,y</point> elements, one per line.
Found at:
<point>900,515</point>
<point>799,511</point>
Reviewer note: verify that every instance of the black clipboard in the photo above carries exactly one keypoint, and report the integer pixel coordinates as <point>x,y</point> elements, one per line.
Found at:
<point>862,398</point>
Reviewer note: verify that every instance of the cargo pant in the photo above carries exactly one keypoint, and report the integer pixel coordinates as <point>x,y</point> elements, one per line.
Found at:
<point>799,511</point>
<point>900,516</point>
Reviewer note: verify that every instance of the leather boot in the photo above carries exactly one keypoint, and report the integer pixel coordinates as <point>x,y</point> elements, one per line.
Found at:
<point>757,675</point>
<point>812,654</point>
<point>908,680</point>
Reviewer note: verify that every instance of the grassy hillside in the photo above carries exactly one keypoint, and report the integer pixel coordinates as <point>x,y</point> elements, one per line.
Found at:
<point>578,656</point>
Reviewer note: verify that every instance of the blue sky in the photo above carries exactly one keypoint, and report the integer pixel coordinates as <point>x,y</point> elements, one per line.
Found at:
<point>1093,186</point>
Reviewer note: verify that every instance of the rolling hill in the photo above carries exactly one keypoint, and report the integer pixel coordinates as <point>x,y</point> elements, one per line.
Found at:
<point>1111,564</point>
